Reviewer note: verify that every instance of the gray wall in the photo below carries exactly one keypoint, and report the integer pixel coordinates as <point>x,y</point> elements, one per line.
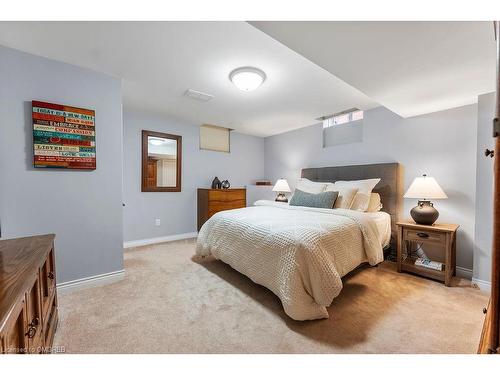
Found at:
<point>484,189</point>
<point>83,208</point>
<point>442,144</point>
<point>343,134</point>
<point>177,211</point>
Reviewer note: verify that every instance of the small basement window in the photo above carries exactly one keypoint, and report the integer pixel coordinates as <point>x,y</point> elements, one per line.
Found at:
<point>215,138</point>
<point>343,128</point>
<point>343,117</point>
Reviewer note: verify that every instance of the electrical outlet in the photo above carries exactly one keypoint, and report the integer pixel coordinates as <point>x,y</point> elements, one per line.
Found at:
<point>157,222</point>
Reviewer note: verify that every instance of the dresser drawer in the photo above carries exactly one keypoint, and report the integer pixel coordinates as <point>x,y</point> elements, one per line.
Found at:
<point>214,207</point>
<point>425,236</point>
<point>33,331</point>
<point>47,282</point>
<point>50,324</point>
<point>12,336</point>
<point>226,195</point>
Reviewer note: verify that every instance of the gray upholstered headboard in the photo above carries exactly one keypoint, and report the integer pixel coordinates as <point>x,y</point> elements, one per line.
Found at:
<point>390,186</point>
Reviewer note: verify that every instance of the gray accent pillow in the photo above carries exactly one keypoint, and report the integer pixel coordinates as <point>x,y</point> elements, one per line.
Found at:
<point>321,200</point>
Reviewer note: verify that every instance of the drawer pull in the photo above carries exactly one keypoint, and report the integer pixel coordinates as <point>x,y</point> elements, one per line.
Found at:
<point>31,332</point>
<point>485,310</point>
<point>422,235</point>
<point>32,328</point>
<point>51,275</point>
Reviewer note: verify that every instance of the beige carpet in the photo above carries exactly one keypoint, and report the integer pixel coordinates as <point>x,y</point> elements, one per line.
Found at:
<point>172,302</point>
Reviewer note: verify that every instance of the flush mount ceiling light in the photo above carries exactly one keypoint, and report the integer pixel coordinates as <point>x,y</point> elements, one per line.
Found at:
<point>156,141</point>
<point>247,78</point>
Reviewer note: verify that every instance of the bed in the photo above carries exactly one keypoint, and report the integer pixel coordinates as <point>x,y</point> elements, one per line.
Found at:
<point>302,253</point>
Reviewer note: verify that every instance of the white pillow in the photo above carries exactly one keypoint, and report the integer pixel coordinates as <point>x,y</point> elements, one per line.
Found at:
<point>311,187</point>
<point>375,204</point>
<point>345,197</point>
<point>362,197</point>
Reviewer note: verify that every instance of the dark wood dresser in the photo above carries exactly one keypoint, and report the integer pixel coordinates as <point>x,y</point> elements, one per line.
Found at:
<point>28,297</point>
<point>211,201</point>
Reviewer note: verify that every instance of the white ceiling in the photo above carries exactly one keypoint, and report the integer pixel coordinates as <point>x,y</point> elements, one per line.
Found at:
<point>160,60</point>
<point>411,68</point>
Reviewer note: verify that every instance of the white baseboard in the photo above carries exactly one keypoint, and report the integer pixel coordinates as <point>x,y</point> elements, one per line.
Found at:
<point>87,282</point>
<point>465,273</point>
<point>151,241</point>
<point>481,284</point>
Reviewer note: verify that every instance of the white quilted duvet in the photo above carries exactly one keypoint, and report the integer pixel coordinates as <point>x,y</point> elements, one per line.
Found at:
<point>299,253</point>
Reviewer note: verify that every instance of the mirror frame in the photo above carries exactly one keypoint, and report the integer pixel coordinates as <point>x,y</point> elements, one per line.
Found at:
<point>144,186</point>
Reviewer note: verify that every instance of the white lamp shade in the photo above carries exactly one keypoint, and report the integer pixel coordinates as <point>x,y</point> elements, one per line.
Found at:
<point>425,188</point>
<point>282,186</point>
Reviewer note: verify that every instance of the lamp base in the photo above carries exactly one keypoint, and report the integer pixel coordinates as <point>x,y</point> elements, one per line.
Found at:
<point>281,198</point>
<point>424,213</point>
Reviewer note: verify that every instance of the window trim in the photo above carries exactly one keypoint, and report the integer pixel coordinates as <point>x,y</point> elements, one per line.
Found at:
<point>329,121</point>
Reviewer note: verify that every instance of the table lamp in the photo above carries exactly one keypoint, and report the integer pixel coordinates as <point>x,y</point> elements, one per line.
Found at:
<point>425,188</point>
<point>281,187</point>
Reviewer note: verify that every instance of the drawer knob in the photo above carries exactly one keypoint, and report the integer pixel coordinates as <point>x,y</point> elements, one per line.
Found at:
<point>31,332</point>
<point>485,310</point>
<point>490,153</point>
<point>32,328</point>
<point>51,275</point>
<point>422,235</point>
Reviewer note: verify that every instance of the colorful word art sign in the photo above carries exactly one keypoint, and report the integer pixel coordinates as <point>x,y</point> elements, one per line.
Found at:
<point>63,137</point>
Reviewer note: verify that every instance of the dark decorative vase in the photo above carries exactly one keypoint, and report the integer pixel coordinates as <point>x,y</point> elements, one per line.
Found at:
<point>424,213</point>
<point>281,197</point>
<point>216,184</point>
<point>225,184</point>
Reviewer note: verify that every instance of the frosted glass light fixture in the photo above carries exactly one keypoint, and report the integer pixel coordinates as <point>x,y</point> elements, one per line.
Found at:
<point>247,78</point>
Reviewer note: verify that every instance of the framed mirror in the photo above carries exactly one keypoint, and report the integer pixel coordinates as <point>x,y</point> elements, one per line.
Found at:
<point>161,161</point>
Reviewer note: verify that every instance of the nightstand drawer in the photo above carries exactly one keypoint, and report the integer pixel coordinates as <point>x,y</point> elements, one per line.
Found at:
<point>425,236</point>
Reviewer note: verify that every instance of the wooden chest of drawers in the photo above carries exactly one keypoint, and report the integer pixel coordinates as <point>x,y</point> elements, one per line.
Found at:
<point>28,297</point>
<point>211,201</point>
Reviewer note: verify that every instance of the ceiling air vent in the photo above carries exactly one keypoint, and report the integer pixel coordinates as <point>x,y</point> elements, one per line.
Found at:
<point>198,95</point>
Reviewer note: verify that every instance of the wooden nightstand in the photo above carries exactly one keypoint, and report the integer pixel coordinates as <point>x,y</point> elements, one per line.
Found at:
<point>439,236</point>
